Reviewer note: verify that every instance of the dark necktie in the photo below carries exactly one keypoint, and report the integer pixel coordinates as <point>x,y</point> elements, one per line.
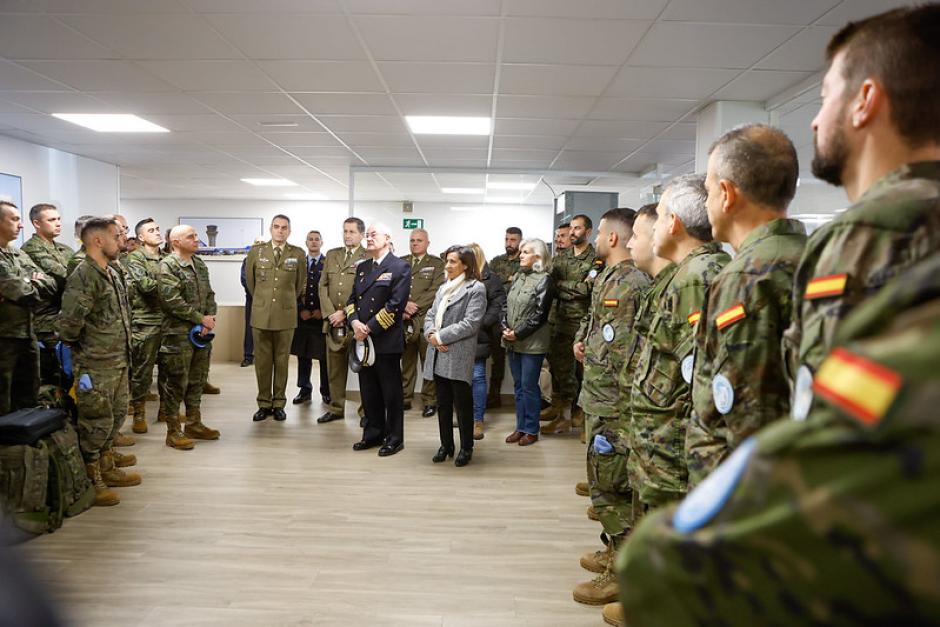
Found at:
<point>277,255</point>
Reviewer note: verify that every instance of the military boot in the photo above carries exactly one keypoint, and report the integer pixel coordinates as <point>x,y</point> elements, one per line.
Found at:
<point>123,461</point>
<point>582,488</point>
<point>561,423</point>
<point>613,614</point>
<point>577,418</point>
<point>139,410</point>
<point>103,496</point>
<point>597,561</point>
<point>601,590</point>
<point>592,513</point>
<point>152,397</point>
<point>123,440</point>
<point>552,411</point>
<point>208,388</point>
<point>174,434</point>
<point>113,476</point>
<point>195,429</point>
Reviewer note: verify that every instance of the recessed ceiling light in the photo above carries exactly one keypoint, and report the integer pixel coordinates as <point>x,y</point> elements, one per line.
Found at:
<point>462,190</point>
<point>111,122</point>
<point>270,182</point>
<point>306,196</point>
<point>520,186</point>
<point>448,125</point>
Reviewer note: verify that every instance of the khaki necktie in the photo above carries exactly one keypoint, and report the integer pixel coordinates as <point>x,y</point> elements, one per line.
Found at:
<point>277,256</point>
<point>346,256</point>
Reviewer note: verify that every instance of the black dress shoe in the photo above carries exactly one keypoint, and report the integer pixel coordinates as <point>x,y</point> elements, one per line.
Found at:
<point>303,397</point>
<point>406,407</point>
<point>328,417</point>
<point>442,454</point>
<point>280,414</point>
<point>247,361</point>
<point>463,457</point>
<point>362,445</point>
<point>428,411</point>
<point>391,449</point>
<point>261,414</point>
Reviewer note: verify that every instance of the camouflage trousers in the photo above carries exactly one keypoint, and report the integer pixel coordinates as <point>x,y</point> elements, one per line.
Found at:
<point>145,346</point>
<point>657,467</point>
<point>102,406</point>
<point>611,494</point>
<point>183,373</point>
<point>561,362</point>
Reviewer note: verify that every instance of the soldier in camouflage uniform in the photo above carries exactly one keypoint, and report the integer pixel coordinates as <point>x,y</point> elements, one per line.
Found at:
<point>52,258</point>
<point>504,266</point>
<point>660,401</point>
<point>143,269</point>
<point>572,273</point>
<point>188,300</point>
<point>427,275</point>
<point>22,287</point>
<point>888,159</point>
<point>95,322</point>
<point>79,254</point>
<point>739,382</point>
<point>601,346</point>
<point>830,521</point>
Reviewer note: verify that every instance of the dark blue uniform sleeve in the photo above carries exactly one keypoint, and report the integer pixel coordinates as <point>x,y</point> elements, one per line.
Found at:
<point>385,318</point>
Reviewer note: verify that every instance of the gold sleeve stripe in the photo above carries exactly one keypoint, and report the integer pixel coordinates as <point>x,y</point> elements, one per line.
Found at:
<point>350,309</point>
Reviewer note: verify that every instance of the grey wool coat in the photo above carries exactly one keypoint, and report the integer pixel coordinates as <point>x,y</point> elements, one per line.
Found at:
<point>462,321</point>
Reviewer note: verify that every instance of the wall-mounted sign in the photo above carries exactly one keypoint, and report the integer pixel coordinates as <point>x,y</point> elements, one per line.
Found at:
<point>412,223</point>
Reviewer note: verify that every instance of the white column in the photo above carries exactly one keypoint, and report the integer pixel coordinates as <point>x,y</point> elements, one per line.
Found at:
<point>719,117</point>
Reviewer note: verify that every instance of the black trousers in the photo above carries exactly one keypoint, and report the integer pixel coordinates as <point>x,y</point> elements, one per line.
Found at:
<point>304,370</point>
<point>382,400</point>
<point>453,394</point>
<point>249,339</point>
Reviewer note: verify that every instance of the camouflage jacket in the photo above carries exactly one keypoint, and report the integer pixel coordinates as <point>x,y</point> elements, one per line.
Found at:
<point>660,399</point>
<point>505,268</point>
<point>572,277</point>
<point>77,257</point>
<point>143,288</point>
<point>95,316</point>
<point>185,293</point>
<point>605,331</point>
<point>895,224</point>
<point>20,293</point>
<point>53,260</point>
<point>738,349</point>
<point>831,521</point>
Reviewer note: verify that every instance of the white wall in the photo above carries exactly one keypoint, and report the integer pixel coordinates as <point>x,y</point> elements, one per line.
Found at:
<point>485,226</point>
<point>76,185</point>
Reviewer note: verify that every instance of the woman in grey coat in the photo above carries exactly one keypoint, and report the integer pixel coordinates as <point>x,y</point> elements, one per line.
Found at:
<point>451,326</point>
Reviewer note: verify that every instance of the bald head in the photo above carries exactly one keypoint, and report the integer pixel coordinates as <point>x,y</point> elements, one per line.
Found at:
<point>761,162</point>
<point>183,240</point>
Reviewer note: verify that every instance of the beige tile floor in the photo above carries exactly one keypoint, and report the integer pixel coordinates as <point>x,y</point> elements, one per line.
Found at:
<point>283,524</point>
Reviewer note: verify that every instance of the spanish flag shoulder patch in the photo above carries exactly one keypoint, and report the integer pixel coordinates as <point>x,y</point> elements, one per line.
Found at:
<point>825,286</point>
<point>730,316</point>
<point>694,317</point>
<point>860,387</point>
<point>611,302</point>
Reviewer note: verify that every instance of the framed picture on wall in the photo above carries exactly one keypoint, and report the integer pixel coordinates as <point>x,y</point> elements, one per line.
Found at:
<point>11,190</point>
<point>225,236</point>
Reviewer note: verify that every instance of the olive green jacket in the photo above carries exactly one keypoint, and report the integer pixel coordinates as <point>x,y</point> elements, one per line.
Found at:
<point>275,287</point>
<point>95,318</point>
<point>53,260</point>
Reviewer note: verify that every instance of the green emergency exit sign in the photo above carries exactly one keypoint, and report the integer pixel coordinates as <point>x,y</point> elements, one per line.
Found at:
<point>412,223</point>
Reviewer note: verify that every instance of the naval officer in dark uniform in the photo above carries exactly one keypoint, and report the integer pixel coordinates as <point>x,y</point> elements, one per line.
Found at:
<point>374,311</point>
<point>309,342</point>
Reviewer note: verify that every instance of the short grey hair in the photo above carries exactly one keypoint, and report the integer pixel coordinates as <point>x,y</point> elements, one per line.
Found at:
<point>381,228</point>
<point>540,250</point>
<point>685,196</point>
<point>761,161</point>
<point>80,223</point>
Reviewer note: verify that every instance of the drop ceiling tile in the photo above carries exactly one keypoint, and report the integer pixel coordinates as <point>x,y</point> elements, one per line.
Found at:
<point>804,52</point>
<point>347,104</point>
<point>555,80</point>
<point>526,126</point>
<point>16,78</point>
<point>444,104</point>
<point>268,6</point>
<point>115,6</point>
<point>438,78</point>
<point>251,103</point>
<point>378,154</point>
<point>329,76</point>
<point>586,160</point>
<point>425,7</point>
<point>439,154</point>
<point>201,76</point>
<point>598,9</point>
<point>652,110</point>
<point>621,129</point>
<point>376,139</point>
<point>423,37</point>
<point>200,123</point>
<point>687,44</point>
<point>748,11</point>
<point>224,139</point>
<point>254,122</point>
<point>525,142</point>
<point>316,152</point>
<point>503,154</point>
<point>522,164</point>
<point>610,144</point>
<point>302,139</point>
<point>35,122</point>
<point>683,130</point>
<point>583,42</point>
<point>98,75</point>
<point>679,82</point>
<point>453,141</point>
<point>167,36</point>
<point>42,37</point>
<point>58,102</point>
<point>141,103</point>
<point>760,85</point>
<point>562,107</point>
<point>364,123</point>
<point>858,9</point>
<point>318,37</point>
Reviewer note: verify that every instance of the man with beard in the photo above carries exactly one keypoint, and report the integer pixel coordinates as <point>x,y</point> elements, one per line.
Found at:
<point>505,267</point>
<point>562,238</point>
<point>877,135</point>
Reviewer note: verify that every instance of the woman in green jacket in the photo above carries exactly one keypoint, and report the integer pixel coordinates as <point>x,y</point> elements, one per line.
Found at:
<point>526,336</point>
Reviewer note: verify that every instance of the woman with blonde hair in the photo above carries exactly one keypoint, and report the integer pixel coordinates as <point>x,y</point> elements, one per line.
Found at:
<point>495,301</point>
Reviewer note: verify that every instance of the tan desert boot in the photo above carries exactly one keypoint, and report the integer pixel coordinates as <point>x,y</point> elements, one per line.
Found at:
<point>103,496</point>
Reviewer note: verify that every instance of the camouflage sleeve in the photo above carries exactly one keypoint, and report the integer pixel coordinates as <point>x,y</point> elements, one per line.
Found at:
<point>24,290</point>
<point>77,302</point>
<point>48,264</point>
<point>140,275</point>
<point>211,307</point>
<point>689,300</point>
<point>583,326</point>
<point>172,300</point>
